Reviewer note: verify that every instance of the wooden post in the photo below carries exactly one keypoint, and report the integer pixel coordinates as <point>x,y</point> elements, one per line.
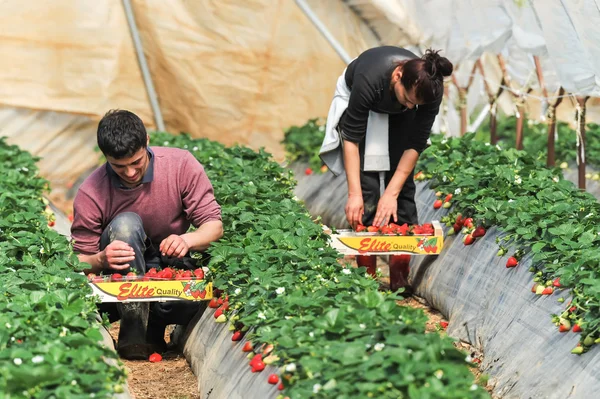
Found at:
<point>551,116</point>
<point>519,104</point>
<point>462,99</point>
<point>493,100</point>
<point>581,140</point>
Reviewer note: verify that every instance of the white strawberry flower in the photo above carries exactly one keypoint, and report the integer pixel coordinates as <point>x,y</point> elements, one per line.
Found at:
<point>444,179</point>
<point>195,149</point>
<point>511,200</point>
<point>37,359</point>
<point>335,279</point>
<point>64,332</point>
<point>362,326</point>
<point>290,368</point>
<point>487,144</point>
<point>518,179</point>
<point>444,141</point>
<point>316,388</point>
<point>24,169</point>
<point>280,290</point>
<point>8,325</point>
<point>457,191</point>
<point>18,361</point>
<point>473,387</point>
<point>237,291</point>
<point>555,179</point>
<point>589,215</point>
<point>12,339</point>
<point>346,271</point>
<point>68,279</point>
<point>74,382</point>
<point>166,143</point>
<point>379,346</point>
<point>311,334</point>
<point>42,250</point>
<point>439,374</point>
<point>498,147</point>
<point>261,316</point>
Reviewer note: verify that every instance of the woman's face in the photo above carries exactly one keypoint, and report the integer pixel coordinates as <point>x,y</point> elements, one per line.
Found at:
<point>405,97</point>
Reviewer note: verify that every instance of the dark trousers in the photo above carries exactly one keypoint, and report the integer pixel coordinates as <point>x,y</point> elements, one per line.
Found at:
<point>145,320</point>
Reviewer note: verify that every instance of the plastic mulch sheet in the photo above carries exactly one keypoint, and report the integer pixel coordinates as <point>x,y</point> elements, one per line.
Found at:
<point>487,305</point>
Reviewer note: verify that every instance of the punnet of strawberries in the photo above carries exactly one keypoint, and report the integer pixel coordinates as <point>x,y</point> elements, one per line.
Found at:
<point>425,229</point>
<point>153,274</point>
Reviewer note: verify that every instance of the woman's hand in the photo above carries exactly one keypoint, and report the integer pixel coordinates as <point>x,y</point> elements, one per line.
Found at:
<point>386,208</point>
<point>355,209</point>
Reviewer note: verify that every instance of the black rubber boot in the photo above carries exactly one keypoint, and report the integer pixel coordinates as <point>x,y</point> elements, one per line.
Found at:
<point>132,344</point>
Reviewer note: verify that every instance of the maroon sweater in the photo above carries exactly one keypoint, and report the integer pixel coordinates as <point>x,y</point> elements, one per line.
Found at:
<point>180,194</point>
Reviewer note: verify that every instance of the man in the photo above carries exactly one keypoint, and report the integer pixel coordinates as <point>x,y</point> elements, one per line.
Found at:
<point>133,213</point>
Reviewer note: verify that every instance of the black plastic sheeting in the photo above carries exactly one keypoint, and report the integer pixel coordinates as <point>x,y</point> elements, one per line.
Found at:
<point>487,305</point>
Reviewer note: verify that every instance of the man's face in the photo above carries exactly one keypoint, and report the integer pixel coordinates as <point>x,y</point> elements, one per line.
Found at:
<point>131,170</point>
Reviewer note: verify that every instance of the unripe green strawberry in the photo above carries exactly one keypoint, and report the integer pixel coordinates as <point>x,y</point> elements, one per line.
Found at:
<point>578,350</point>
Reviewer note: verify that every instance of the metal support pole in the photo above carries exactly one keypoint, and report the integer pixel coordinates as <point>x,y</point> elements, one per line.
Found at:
<point>324,31</point>
<point>139,49</point>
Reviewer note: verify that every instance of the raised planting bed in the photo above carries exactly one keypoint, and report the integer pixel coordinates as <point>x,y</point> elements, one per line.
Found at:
<point>50,339</point>
<point>324,330</point>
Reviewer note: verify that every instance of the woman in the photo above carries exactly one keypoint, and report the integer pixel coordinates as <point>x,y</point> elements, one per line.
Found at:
<point>379,122</point>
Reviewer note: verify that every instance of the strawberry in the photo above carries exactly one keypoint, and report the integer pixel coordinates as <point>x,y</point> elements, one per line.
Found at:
<point>116,277</point>
<point>548,291</point>
<point>219,312</point>
<point>237,336</point>
<point>438,193</point>
<point>273,379</point>
<point>267,349</point>
<point>512,262</point>
<point>280,386</point>
<point>131,276</point>
<point>199,274</point>
<point>556,282</point>
<point>91,277</point>
<point>563,328</point>
<point>534,288</point>
<point>448,198</point>
<point>479,232</point>
<point>220,301</point>
<point>446,205</point>
<point>155,357</point>
<point>576,328</point>
<point>308,171</point>
<point>324,169</point>
<point>51,223</point>
<point>214,303</point>
<point>258,366</point>
<point>459,220</point>
<point>221,319</point>
<point>387,230</point>
<point>468,223</point>
<point>578,350</point>
<point>444,324</point>
<point>539,289</point>
<point>247,347</point>
<point>572,309</point>
<point>456,227</point>
<point>256,358</point>
<point>166,273</point>
<point>437,204</point>
<point>360,228</point>
<point>372,229</point>
<point>185,275</point>
<point>468,240</point>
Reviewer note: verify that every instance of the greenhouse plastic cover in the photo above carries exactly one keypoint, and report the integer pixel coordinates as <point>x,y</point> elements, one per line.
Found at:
<point>487,305</point>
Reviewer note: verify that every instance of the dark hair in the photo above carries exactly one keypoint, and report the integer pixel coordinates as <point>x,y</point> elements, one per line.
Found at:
<point>121,134</point>
<point>426,75</point>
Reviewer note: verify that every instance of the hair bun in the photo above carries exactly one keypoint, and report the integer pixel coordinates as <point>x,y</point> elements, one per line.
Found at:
<point>436,65</point>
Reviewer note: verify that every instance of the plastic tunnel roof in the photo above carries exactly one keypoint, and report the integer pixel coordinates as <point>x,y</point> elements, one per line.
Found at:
<point>562,33</point>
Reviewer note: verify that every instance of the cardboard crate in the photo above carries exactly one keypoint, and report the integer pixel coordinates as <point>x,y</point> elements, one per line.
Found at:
<point>152,290</point>
<point>349,242</point>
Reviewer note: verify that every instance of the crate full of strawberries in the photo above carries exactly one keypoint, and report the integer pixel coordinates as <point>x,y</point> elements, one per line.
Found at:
<point>168,284</point>
<point>390,239</point>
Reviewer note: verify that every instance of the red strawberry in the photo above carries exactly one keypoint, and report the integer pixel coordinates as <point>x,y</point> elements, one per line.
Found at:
<point>199,273</point>
<point>51,223</point>
<point>534,288</point>
<point>448,198</point>
<point>247,347</point>
<point>308,171</point>
<point>459,220</point>
<point>360,228</point>
<point>220,301</point>
<point>468,223</point>
<point>576,328</point>
<point>167,273</point>
<point>437,204</point>
<point>237,336</point>
<point>468,240</point>
<point>258,366</point>
<point>280,386</point>
<point>273,379</point>
<point>444,324</point>
<point>564,328</point>
<point>98,279</point>
<point>256,358</point>
<point>155,357</point>
<point>548,291</point>
<point>556,282</point>
<point>214,303</point>
<point>372,229</point>
<point>151,272</point>
<point>479,232</point>
<point>512,262</point>
<point>116,277</point>
<point>387,230</point>
<point>572,309</point>
<point>131,276</point>
<point>185,275</point>
<point>457,227</point>
<point>218,313</point>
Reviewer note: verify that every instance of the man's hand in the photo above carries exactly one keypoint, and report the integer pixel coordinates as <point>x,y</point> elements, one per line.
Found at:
<point>386,208</point>
<point>355,209</point>
<point>117,254</point>
<point>174,246</point>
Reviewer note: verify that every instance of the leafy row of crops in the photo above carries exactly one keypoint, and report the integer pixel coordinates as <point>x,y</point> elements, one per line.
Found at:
<point>334,333</point>
<point>49,338</point>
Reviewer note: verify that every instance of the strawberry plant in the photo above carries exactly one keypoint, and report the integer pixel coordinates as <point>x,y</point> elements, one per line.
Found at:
<point>538,212</point>
<point>49,337</point>
<point>329,328</point>
<point>302,143</point>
